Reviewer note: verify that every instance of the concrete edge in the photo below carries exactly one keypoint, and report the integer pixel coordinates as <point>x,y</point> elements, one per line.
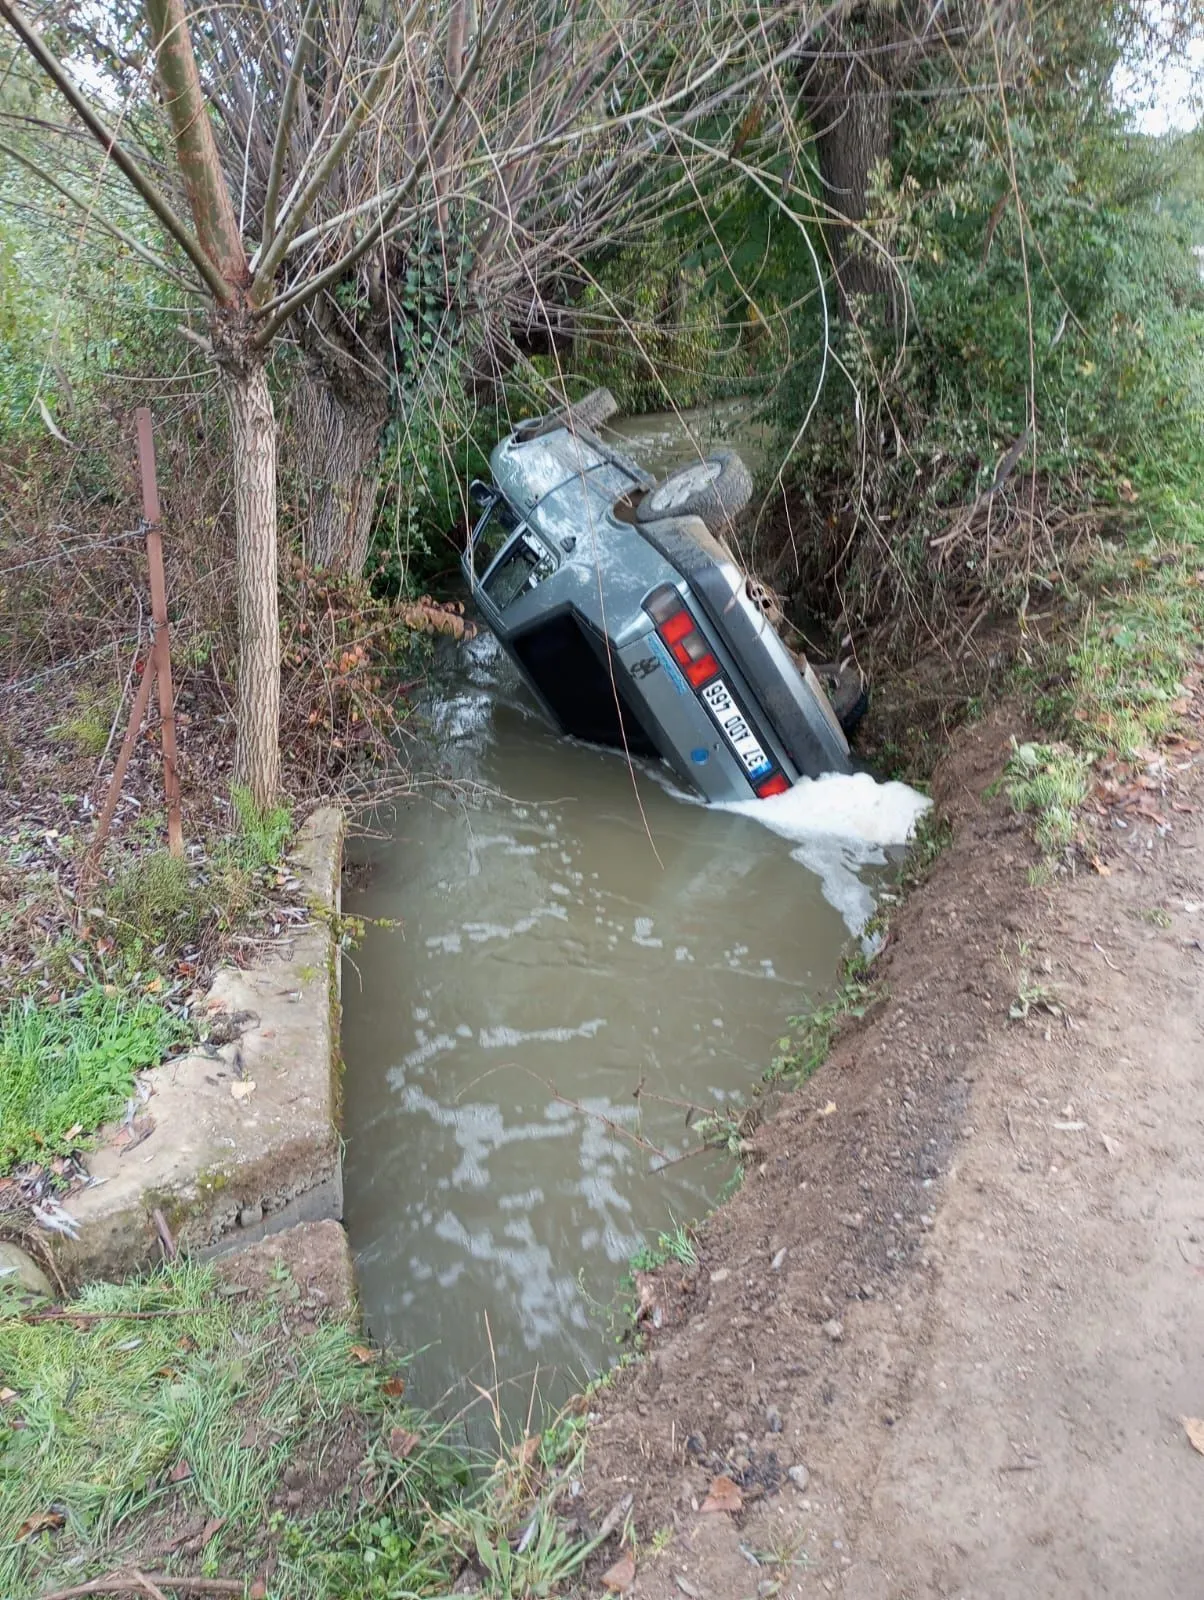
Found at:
<point>244,1140</point>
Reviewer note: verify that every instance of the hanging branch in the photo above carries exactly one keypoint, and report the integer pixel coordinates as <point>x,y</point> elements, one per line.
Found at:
<point>97,218</point>
<point>113,149</point>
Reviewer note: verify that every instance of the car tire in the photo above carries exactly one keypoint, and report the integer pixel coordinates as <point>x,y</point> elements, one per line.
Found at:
<point>847,692</point>
<point>714,489</point>
<point>589,412</point>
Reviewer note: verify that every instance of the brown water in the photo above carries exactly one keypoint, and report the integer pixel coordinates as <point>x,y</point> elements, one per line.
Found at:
<point>662,440</point>
<point>569,934</point>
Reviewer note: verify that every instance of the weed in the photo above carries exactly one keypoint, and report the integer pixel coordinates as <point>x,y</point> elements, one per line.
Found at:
<point>1157,916</point>
<point>67,1068</point>
<point>261,835</point>
<point>677,1245</point>
<point>88,728</point>
<point>152,899</point>
<point>1048,781</point>
<point>802,1054</point>
<point>197,1411</point>
<point>1031,993</point>
<point>932,837</point>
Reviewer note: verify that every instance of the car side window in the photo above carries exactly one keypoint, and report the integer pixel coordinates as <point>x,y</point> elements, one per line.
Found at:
<point>527,563</point>
<point>491,534</point>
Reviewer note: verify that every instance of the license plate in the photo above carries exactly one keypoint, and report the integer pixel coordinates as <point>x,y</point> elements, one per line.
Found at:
<point>718,701</point>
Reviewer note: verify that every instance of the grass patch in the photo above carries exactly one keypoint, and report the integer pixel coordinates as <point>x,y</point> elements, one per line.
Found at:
<point>261,836</point>
<point>118,1433</point>
<point>69,1067</point>
<point>803,1052</point>
<point>677,1245</point>
<point>1050,783</point>
<point>87,729</point>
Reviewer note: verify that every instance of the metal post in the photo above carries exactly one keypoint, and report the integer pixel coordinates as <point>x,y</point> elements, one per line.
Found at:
<point>137,712</point>
<point>161,651</point>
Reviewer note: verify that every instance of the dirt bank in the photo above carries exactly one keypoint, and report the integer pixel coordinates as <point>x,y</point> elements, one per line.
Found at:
<point>959,1285</point>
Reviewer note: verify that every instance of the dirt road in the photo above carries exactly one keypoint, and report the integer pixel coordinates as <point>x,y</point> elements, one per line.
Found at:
<point>989,1317</point>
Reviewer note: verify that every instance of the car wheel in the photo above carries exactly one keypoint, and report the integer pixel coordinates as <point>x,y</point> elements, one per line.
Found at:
<point>589,412</point>
<point>713,489</point>
<point>847,692</point>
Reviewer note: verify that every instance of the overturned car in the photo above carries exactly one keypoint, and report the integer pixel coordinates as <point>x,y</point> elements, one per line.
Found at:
<point>625,612</point>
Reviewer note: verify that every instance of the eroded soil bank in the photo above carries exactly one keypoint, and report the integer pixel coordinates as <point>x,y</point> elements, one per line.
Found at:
<point>963,1283</point>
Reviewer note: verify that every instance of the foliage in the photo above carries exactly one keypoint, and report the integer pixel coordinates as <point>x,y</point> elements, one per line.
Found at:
<point>677,1245</point>
<point>651,328</point>
<point>1038,353</point>
<point>202,1407</point>
<point>67,1067</point>
<point>803,1052</point>
<point>1050,781</point>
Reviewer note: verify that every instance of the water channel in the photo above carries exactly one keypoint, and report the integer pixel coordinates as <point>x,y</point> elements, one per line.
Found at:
<point>580,953</point>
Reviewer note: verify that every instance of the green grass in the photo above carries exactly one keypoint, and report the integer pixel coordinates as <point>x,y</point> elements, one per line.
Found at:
<point>261,836</point>
<point>1050,782</point>
<point>105,1416</point>
<point>111,1409</point>
<point>70,1066</point>
<point>802,1052</point>
<point>676,1245</point>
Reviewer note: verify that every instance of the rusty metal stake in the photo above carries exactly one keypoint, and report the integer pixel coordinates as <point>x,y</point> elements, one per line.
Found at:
<point>157,665</point>
<point>137,712</point>
<point>162,646</point>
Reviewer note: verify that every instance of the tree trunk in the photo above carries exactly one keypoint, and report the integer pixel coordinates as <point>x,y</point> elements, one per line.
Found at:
<point>856,139</point>
<point>849,107</point>
<point>253,434</point>
<point>337,450</point>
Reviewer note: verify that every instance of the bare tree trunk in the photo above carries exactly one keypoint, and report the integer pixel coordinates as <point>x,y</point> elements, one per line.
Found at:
<point>856,139</point>
<point>253,433</point>
<point>337,451</point>
<point>849,107</point>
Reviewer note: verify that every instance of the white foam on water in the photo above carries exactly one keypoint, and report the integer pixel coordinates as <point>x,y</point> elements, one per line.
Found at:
<point>838,824</point>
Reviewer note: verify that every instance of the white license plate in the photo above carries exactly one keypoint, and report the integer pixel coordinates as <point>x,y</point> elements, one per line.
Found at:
<point>718,700</point>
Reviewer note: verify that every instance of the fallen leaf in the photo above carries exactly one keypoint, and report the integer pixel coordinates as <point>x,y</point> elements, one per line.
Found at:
<point>1194,1427</point>
<point>40,1524</point>
<point>258,1590</point>
<point>1101,867</point>
<point>74,1131</point>
<point>525,1453</point>
<point>362,1354</point>
<point>6,1395</point>
<point>724,1495</point>
<point>211,1528</point>
<point>241,1088</point>
<point>829,1110</point>
<point>179,1472</point>
<point>401,1443</point>
<point>621,1576</point>
<point>394,1387</point>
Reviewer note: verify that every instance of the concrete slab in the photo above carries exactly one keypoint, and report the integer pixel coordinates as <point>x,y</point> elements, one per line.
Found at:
<point>245,1140</point>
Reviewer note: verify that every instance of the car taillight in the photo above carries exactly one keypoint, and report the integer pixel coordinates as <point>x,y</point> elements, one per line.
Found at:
<point>778,783</point>
<point>680,632</point>
<point>688,646</point>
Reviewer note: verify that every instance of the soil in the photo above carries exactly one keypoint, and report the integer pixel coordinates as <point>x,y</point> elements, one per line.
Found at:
<point>962,1285</point>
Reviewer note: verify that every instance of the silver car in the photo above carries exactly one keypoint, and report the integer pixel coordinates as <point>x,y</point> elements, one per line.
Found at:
<point>623,609</point>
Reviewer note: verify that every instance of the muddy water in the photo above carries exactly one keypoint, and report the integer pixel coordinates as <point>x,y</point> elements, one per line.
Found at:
<point>660,441</point>
<point>569,934</point>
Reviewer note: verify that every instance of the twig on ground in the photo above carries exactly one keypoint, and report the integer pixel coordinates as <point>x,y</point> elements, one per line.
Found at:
<point>64,1315</point>
<point>131,1582</point>
<point>164,1232</point>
